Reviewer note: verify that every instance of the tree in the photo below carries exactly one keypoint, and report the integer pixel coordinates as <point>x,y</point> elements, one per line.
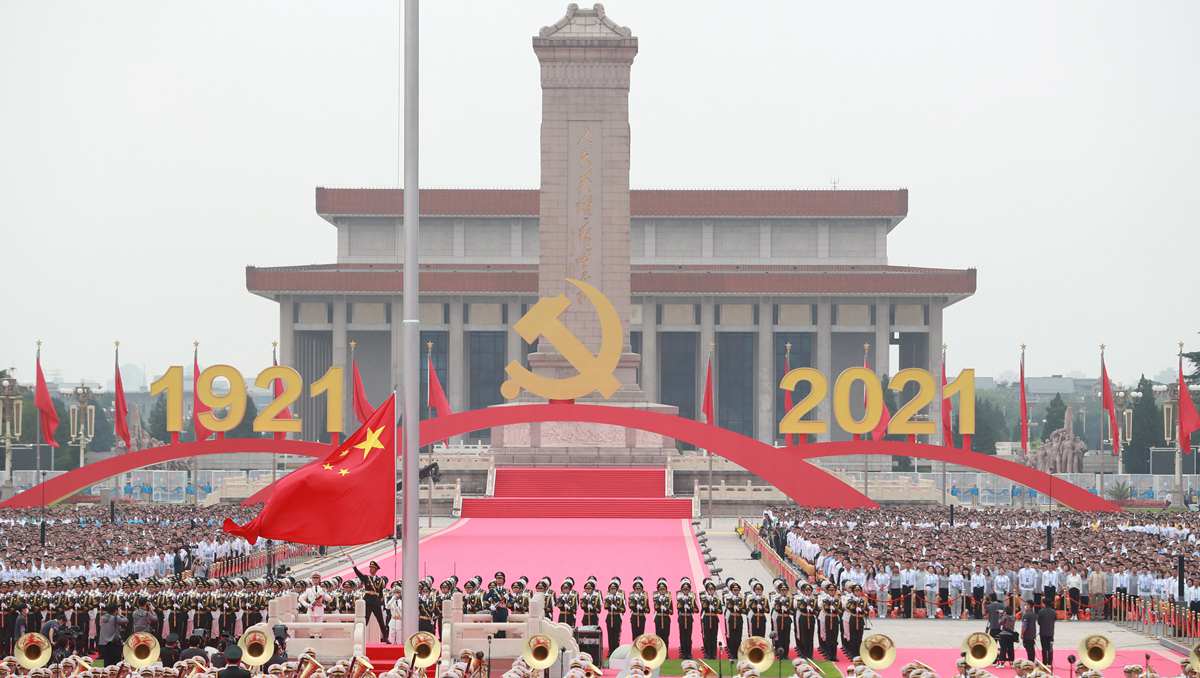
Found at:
<point>245,428</point>
<point>157,425</point>
<point>1147,430</point>
<point>1056,416</point>
<point>1119,491</point>
<point>990,427</point>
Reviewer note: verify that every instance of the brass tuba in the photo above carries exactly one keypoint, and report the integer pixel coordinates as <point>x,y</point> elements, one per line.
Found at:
<point>1097,652</point>
<point>980,650</point>
<point>757,652</point>
<point>307,665</point>
<point>141,650</point>
<point>878,651</point>
<point>423,649</point>
<point>258,644</point>
<point>32,651</point>
<point>540,651</point>
<point>650,649</point>
<point>359,667</point>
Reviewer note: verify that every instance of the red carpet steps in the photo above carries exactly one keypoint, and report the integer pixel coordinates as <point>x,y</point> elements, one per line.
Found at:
<point>541,492</point>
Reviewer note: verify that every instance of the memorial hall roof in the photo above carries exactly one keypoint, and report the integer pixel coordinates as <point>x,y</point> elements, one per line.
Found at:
<point>643,203</point>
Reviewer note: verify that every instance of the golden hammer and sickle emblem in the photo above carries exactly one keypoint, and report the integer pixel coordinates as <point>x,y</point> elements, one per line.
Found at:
<point>595,371</point>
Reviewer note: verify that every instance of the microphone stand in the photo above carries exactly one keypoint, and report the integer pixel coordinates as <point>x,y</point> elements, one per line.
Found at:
<point>489,657</point>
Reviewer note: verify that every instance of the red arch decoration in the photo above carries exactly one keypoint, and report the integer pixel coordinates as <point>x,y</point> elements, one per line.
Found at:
<point>786,468</point>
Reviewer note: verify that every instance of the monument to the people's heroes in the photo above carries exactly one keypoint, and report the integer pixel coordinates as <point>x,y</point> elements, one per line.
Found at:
<point>585,60</point>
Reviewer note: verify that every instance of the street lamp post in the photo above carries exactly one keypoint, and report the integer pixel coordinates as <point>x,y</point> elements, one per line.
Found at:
<point>83,420</point>
<point>10,424</point>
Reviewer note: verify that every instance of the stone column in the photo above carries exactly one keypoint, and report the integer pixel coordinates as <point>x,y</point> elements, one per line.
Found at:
<point>883,337</point>
<point>650,349</point>
<point>825,361</point>
<point>287,335</point>
<point>512,347</point>
<point>935,368</point>
<point>397,340</point>
<point>765,381</point>
<point>457,359</point>
<point>708,339</point>
<point>340,348</point>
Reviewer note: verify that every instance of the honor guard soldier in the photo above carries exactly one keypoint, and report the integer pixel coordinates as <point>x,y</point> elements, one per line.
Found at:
<point>548,599</point>
<point>735,616</point>
<point>202,620</point>
<point>590,604</point>
<point>711,608</point>
<point>781,618</point>
<point>427,607</point>
<point>519,597</point>
<point>372,594</point>
<point>614,606</point>
<point>758,606</point>
<point>230,609</point>
<point>472,596</point>
<point>685,611</point>
<point>829,621</point>
<point>567,602</point>
<point>805,606</point>
<point>639,607</point>
<point>855,605</point>
<point>664,605</point>
<point>495,591</point>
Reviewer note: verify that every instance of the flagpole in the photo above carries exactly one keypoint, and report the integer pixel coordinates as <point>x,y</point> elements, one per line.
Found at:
<point>1100,443</point>
<point>1179,443</point>
<point>429,415</point>
<point>410,364</point>
<point>37,445</point>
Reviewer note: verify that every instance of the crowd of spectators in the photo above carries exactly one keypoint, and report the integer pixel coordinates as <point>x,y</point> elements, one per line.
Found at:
<point>94,541</point>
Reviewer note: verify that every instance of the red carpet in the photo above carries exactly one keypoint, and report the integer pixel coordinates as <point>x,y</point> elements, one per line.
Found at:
<point>561,547</point>
<point>942,661</point>
<point>541,492</point>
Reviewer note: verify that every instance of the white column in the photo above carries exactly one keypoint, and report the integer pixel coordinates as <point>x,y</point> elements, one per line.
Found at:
<point>340,347</point>
<point>397,337</point>
<point>935,368</point>
<point>650,349</point>
<point>512,346</point>
<point>287,336</point>
<point>825,360</point>
<point>456,358</point>
<point>883,337</point>
<point>764,382</point>
<point>708,335</point>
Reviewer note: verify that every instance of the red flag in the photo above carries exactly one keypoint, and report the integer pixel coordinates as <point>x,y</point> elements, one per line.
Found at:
<point>362,406</point>
<point>885,417</point>
<point>120,409</point>
<point>198,406</point>
<point>1189,419</point>
<point>439,405</point>
<point>787,395</point>
<point>707,407</point>
<point>47,415</point>
<point>1024,408</point>
<point>1110,405</point>
<point>947,411</point>
<point>344,499</point>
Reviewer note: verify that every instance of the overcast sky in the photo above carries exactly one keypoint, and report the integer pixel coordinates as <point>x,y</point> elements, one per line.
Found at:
<point>150,150</point>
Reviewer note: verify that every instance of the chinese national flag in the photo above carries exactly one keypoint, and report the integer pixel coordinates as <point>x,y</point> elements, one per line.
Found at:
<point>710,415</point>
<point>1024,409</point>
<point>47,415</point>
<point>120,409</point>
<point>439,405</point>
<point>347,498</point>
<point>198,406</point>
<point>362,406</point>
<point>1110,405</point>
<point>1189,419</point>
<point>885,416</point>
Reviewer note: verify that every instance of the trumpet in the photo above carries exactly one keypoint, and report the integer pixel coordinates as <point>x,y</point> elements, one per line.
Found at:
<point>650,649</point>
<point>257,645</point>
<point>32,651</point>
<point>756,651</point>
<point>141,650</point>
<point>423,649</point>
<point>980,650</point>
<point>1097,652</point>
<point>878,651</point>
<point>540,651</point>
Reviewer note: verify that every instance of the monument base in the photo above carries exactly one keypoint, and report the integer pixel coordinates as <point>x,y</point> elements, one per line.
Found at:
<point>554,366</point>
<point>565,443</point>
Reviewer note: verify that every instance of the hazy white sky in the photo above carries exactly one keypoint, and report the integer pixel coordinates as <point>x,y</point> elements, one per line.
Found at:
<point>150,150</point>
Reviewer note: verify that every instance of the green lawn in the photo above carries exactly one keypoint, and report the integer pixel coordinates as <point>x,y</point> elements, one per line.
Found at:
<point>671,667</point>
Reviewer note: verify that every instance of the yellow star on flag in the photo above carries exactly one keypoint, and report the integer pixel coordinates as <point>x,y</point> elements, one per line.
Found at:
<point>371,442</point>
<point>343,472</point>
<point>327,467</point>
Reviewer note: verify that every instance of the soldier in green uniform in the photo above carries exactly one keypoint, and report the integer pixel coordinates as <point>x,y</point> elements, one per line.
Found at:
<point>735,616</point>
<point>614,606</point>
<point>664,606</point>
<point>781,618</point>
<point>685,611</point>
<point>711,608</point>
<point>567,602</point>
<point>639,607</point>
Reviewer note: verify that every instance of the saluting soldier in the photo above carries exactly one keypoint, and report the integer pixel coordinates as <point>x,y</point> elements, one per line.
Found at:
<point>663,607</point>
<point>590,603</point>
<point>806,620</point>
<point>711,608</point>
<point>639,607</point>
<point>567,602</point>
<point>372,594</point>
<point>685,611</point>
<point>781,618</point>
<point>614,605</point>
<point>735,616</point>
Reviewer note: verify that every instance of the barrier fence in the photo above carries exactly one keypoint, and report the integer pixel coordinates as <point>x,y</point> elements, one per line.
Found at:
<point>1161,618</point>
<point>256,564</point>
<point>770,559</point>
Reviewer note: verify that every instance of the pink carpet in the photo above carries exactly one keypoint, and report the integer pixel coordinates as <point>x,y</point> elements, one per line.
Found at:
<point>561,547</point>
<point>942,661</point>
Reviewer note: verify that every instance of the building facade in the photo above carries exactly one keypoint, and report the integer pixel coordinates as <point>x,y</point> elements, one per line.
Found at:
<point>741,273</point>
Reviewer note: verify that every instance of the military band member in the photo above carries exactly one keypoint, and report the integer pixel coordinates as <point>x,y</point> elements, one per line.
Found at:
<point>806,620</point>
<point>664,606</point>
<point>829,620</point>
<point>229,610</point>
<point>372,595</point>
<point>781,618</point>
<point>758,605</point>
<point>567,602</point>
<point>614,606</point>
<point>735,616</point>
<point>639,607</point>
<point>427,604</point>
<point>202,618</point>
<point>854,604</point>
<point>711,608</point>
<point>590,604</point>
<point>548,598</point>
<point>519,597</point>
<point>472,596</point>
<point>685,611</point>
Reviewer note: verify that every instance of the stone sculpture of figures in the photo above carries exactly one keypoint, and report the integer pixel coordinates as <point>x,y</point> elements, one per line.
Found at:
<point>1062,452</point>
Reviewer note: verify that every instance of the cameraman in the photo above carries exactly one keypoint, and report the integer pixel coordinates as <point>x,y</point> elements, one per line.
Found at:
<point>111,623</point>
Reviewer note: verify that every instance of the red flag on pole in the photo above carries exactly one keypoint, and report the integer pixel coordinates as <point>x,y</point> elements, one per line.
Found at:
<point>1024,408</point>
<point>47,415</point>
<point>197,406</point>
<point>947,411</point>
<point>1189,419</point>
<point>362,406</point>
<point>439,405</point>
<point>120,409</point>
<point>885,416</point>
<point>710,415</point>
<point>344,499</point>
<point>787,395</point>
<point>1110,405</point>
